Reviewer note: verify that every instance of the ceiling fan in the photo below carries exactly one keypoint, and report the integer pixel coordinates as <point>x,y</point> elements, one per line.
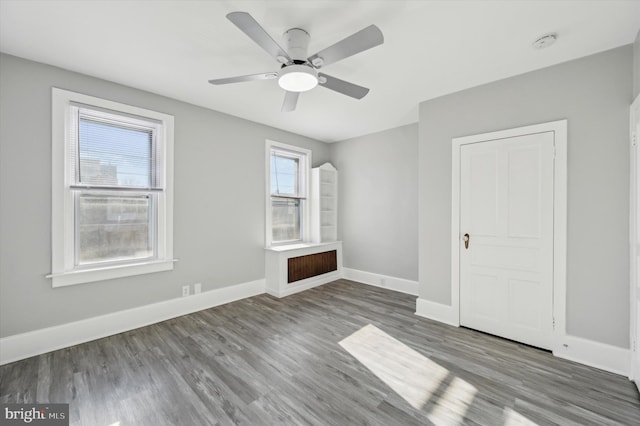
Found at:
<point>299,73</point>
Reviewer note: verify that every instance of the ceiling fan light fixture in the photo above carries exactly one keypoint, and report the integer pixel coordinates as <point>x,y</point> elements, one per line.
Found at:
<point>298,78</point>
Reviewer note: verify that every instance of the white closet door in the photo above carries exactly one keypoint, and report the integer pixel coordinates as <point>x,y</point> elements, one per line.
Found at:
<point>506,208</point>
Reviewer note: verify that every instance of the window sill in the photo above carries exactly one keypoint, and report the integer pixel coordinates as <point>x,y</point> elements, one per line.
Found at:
<point>110,272</point>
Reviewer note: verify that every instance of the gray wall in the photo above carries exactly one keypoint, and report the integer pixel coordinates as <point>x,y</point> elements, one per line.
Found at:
<point>594,94</point>
<point>378,201</point>
<point>218,212</point>
<point>636,66</point>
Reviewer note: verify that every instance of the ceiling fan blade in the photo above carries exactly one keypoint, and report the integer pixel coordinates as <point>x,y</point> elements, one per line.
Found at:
<point>290,101</point>
<point>250,27</point>
<point>343,87</point>
<point>355,43</point>
<point>241,78</point>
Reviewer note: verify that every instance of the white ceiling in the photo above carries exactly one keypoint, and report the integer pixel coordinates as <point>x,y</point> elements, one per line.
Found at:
<point>431,48</point>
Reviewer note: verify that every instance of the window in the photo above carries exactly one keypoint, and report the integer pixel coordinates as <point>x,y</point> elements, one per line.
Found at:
<point>287,187</point>
<point>112,189</point>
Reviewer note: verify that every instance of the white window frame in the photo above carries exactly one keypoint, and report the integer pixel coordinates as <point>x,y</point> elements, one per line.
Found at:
<point>64,272</point>
<point>305,169</point>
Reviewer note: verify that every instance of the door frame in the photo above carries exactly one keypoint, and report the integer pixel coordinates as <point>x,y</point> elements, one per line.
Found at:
<point>559,128</point>
<point>634,194</point>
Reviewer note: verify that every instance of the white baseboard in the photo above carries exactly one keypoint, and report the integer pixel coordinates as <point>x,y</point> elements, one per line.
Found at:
<point>588,352</point>
<point>437,312</point>
<point>384,281</point>
<point>305,284</point>
<point>25,345</point>
<point>594,354</point>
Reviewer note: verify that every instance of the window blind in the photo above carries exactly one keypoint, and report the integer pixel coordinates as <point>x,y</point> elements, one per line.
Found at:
<point>114,153</point>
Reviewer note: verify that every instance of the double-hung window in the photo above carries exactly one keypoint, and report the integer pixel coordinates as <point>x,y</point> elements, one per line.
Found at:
<point>112,189</point>
<point>287,212</point>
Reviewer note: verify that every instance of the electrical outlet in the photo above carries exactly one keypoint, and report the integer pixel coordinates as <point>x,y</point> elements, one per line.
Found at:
<point>197,288</point>
<point>383,282</point>
<point>185,290</point>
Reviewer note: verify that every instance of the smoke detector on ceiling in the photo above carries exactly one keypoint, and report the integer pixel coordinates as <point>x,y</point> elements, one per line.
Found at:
<point>545,40</point>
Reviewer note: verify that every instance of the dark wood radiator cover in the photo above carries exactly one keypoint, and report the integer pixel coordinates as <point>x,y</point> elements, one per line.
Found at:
<point>311,265</point>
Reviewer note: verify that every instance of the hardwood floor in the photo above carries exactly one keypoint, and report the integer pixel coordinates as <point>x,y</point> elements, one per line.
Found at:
<point>340,354</point>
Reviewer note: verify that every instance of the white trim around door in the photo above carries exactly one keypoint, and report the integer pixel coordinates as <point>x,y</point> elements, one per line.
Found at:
<point>634,242</point>
<point>559,129</point>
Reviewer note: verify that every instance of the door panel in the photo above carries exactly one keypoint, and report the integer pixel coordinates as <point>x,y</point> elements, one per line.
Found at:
<point>506,206</point>
<point>485,306</point>
<point>484,194</point>
<point>525,299</point>
<point>507,256</point>
<point>524,194</point>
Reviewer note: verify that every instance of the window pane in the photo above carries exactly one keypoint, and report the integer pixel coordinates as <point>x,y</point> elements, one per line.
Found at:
<point>113,227</point>
<point>114,155</point>
<point>285,219</point>
<point>284,175</point>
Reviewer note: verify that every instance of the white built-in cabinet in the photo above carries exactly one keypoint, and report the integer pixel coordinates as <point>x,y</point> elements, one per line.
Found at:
<point>317,260</point>
<point>279,282</point>
<point>324,204</point>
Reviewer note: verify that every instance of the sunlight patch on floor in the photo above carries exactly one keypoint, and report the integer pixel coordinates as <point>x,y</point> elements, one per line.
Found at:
<point>410,374</point>
<point>512,418</point>
<point>452,406</point>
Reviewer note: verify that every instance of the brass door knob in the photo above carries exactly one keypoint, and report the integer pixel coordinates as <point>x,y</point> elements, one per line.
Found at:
<point>466,241</point>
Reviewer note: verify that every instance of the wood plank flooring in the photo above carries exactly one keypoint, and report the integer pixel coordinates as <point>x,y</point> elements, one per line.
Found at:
<point>317,357</point>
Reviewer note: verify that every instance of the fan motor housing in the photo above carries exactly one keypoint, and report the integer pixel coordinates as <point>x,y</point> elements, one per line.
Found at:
<point>297,42</point>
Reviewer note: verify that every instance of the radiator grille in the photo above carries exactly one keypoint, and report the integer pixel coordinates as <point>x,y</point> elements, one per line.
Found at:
<point>312,265</point>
